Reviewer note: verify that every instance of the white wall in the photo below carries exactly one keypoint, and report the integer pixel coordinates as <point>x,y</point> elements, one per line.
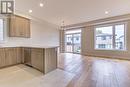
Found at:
<point>42,34</point>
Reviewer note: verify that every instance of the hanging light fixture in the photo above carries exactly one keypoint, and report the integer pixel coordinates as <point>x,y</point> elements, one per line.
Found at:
<point>63,25</point>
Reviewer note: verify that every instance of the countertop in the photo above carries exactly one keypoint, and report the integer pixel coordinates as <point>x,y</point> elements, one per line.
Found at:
<point>30,46</point>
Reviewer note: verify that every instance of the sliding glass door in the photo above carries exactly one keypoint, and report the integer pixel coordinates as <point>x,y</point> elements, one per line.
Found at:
<point>69,43</point>
<point>73,41</point>
<point>77,43</point>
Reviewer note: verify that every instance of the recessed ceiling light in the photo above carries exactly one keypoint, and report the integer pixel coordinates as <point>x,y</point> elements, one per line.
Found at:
<point>106,12</point>
<point>41,4</point>
<point>30,11</point>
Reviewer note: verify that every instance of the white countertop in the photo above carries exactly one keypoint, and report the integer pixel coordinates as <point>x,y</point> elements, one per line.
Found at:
<point>40,46</point>
<point>31,46</point>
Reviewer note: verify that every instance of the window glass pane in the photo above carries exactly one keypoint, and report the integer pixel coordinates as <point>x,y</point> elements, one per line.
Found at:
<point>77,42</point>
<point>1,30</point>
<point>104,38</point>
<point>69,41</point>
<point>120,37</point>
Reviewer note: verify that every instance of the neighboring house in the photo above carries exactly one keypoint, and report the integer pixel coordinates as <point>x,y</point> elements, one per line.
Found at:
<point>105,41</point>
<point>75,40</point>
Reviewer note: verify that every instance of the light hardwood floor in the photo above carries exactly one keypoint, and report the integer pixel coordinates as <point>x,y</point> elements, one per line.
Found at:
<point>77,71</point>
<point>94,71</point>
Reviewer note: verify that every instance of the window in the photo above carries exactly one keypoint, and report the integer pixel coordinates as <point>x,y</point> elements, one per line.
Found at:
<point>1,30</point>
<point>119,37</point>
<point>110,37</point>
<point>102,32</point>
<point>104,38</point>
<point>101,45</point>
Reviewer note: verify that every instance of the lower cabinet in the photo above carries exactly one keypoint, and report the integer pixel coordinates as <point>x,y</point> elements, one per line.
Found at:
<point>42,59</point>
<point>27,56</point>
<point>19,55</point>
<point>37,56</point>
<point>10,56</point>
<point>2,58</point>
<point>50,59</point>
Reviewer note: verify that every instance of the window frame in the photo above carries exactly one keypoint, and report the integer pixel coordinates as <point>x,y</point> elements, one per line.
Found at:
<point>2,41</point>
<point>113,38</point>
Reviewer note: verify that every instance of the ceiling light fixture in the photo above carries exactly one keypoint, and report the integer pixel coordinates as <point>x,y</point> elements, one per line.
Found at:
<point>41,4</point>
<point>106,12</point>
<point>30,11</point>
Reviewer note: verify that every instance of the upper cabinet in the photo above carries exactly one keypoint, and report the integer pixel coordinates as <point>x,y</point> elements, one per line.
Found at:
<point>19,26</point>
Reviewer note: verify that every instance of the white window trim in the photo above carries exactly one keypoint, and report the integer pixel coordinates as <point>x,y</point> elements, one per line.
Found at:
<point>4,27</point>
<point>113,25</point>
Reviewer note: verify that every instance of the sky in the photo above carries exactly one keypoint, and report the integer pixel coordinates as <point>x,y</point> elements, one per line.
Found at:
<point>119,30</point>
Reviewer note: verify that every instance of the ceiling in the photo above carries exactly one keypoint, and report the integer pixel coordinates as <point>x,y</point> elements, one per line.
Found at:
<point>73,11</point>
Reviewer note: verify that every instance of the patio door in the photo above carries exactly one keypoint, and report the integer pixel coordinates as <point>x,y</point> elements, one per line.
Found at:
<point>73,41</point>
<point>77,43</point>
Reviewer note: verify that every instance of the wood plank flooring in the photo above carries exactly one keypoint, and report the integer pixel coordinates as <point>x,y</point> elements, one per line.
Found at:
<point>94,71</point>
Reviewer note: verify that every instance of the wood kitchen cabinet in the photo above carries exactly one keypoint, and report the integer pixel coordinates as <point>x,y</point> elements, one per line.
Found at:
<point>50,59</point>
<point>19,26</point>
<point>42,59</point>
<point>37,58</point>
<point>27,56</point>
<point>10,56</point>
<point>19,55</point>
<point>2,57</point>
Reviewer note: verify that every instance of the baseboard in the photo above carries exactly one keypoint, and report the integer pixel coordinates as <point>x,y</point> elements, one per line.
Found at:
<point>110,57</point>
<point>10,65</point>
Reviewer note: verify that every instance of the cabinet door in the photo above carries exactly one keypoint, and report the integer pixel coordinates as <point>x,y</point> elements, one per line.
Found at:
<point>50,59</point>
<point>27,56</point>
<point>10,56</point>
<point>2,57</point>
<point>37,58</point>
<point>15,26</point>
<point>19,55</point>
<point>19,27</point>
<point>26,27</point>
